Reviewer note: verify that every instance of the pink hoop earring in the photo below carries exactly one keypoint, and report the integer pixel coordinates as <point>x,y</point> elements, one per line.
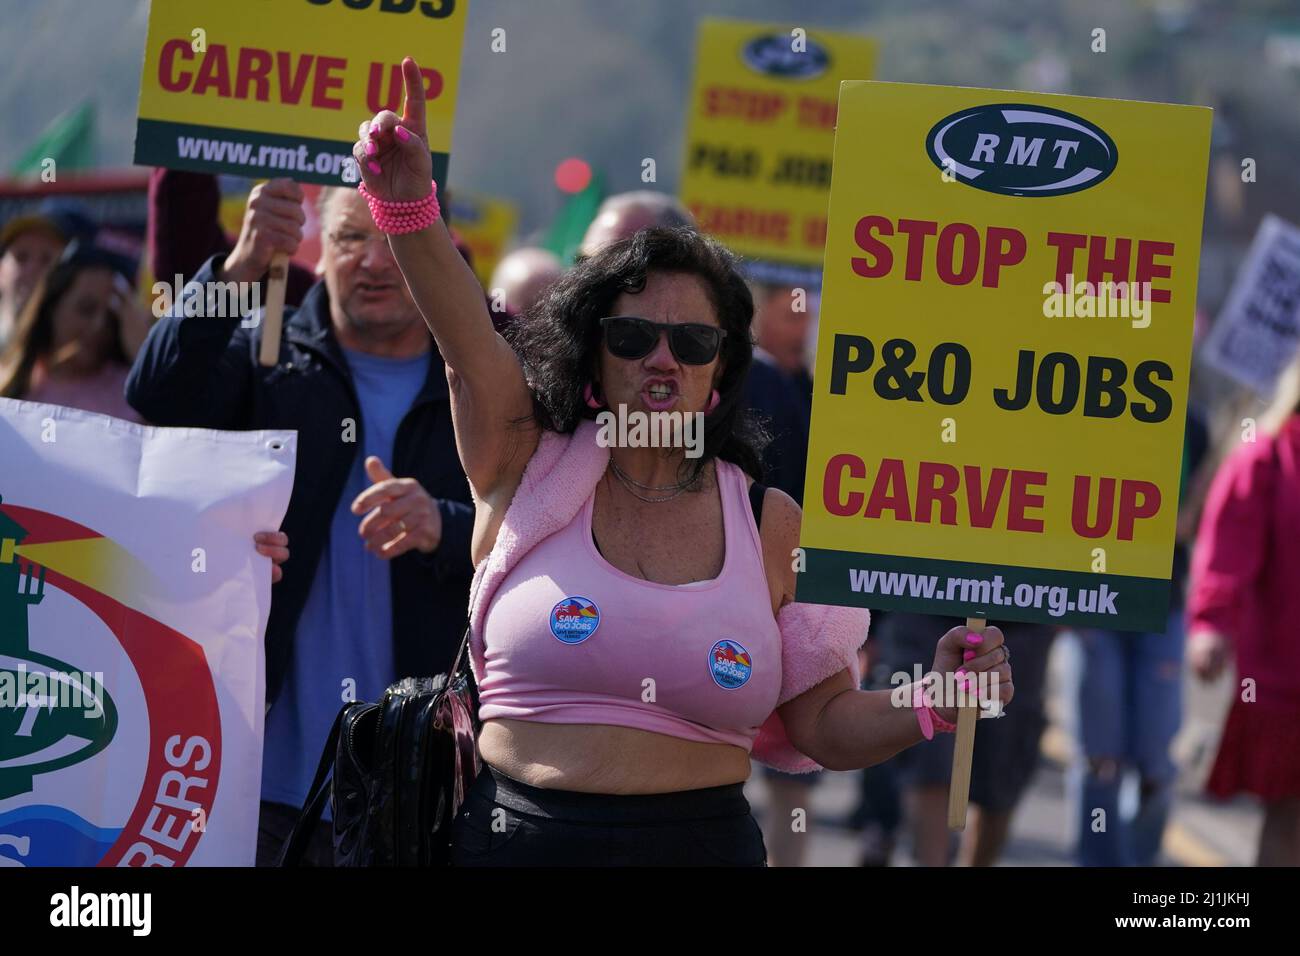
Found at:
<point>590,399</point>
<point>713,400</point>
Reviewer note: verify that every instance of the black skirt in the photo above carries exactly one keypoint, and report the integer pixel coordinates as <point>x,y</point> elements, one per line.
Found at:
<point>504,822</point>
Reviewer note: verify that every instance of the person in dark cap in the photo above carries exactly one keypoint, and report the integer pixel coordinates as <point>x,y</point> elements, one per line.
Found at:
<point>29,245</point>
<point>76,335</point>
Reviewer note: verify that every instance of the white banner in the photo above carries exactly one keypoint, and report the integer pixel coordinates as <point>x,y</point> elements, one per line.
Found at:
<point>1258,329</point>
<point>132,612</point>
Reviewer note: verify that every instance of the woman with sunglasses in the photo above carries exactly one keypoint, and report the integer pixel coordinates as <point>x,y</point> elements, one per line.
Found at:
<point>634,633</point>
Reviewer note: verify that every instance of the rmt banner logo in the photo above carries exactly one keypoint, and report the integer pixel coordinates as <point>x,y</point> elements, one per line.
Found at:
<point>1019,150</point>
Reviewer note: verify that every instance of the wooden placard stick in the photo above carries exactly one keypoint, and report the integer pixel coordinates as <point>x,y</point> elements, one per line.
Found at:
<point>273,317</point>
<point>964,747</point>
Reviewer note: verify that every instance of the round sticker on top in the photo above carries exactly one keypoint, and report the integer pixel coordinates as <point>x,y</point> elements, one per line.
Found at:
<point>730,665</point>
<point>574,619</point>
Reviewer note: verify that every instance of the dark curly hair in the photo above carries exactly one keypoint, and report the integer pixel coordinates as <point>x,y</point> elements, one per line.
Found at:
<point>559,340</point>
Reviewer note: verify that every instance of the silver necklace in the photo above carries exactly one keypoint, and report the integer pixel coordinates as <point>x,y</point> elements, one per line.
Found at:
<point>631,484</point>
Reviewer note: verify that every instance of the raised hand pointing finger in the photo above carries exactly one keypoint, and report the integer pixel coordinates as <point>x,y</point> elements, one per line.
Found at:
<point>392,152</point>
<point>413,110</point>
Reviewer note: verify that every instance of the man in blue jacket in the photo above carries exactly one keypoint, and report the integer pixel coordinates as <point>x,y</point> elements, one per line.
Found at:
<point>378,582</point>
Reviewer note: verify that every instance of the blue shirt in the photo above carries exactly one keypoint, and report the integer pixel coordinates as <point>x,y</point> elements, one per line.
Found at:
<point>343,644</point>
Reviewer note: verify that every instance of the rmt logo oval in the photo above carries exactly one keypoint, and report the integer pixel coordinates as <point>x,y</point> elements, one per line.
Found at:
<point>774,55</point>
<point>1019,150</point>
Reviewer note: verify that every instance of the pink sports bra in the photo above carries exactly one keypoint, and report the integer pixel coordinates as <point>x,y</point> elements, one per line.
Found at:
<point>570,639</point>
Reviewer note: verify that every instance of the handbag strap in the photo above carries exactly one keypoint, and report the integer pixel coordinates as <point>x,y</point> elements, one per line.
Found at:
<point>461,668</point>
<point>296,845</point>
<point>460,656</point>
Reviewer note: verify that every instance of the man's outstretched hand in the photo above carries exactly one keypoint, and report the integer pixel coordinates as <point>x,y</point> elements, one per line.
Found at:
<point>400,515</point>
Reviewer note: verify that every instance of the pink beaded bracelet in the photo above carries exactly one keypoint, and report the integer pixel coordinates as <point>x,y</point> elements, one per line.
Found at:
<point>928,717</point>
<point>402,216</point>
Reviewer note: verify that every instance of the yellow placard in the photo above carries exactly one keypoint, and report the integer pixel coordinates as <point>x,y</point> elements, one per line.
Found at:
<point>1003,354</point>
<point>757,169</point>
<point>486,224</point>
<point>264,88</point>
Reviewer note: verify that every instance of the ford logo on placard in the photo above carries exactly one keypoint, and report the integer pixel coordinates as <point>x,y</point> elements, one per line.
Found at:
<point>774,54</point>
<point>1020,150</point>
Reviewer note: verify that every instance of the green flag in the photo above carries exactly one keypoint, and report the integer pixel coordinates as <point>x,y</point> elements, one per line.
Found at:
<point>69,141</point>
<point>567,229</point>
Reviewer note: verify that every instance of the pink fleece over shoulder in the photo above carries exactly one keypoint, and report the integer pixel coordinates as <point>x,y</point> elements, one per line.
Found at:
<point>817,641</point>
<point>555,484</point>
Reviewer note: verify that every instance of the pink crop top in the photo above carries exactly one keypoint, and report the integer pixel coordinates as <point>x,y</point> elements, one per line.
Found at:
<point>570,639</point>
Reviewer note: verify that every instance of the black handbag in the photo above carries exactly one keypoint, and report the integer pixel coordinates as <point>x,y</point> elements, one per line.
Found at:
<point>401,769</point>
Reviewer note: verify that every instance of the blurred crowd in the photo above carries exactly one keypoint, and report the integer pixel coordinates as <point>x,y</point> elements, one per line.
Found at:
<point>73,331</point>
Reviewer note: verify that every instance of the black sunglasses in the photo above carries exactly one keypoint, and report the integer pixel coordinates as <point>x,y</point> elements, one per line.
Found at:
<point>631,337</point>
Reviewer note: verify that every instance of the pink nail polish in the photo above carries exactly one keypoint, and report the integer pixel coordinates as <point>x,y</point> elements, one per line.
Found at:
<point>974,638</point>
<point>371,148</point>
<point>967,654</point>
<point>402,133</point>
<point>961,672</point>
<point>374,167</point>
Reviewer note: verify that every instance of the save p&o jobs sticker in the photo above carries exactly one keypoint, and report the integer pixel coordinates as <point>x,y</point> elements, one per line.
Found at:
<point>574,619</point>
<point>730,664</point>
